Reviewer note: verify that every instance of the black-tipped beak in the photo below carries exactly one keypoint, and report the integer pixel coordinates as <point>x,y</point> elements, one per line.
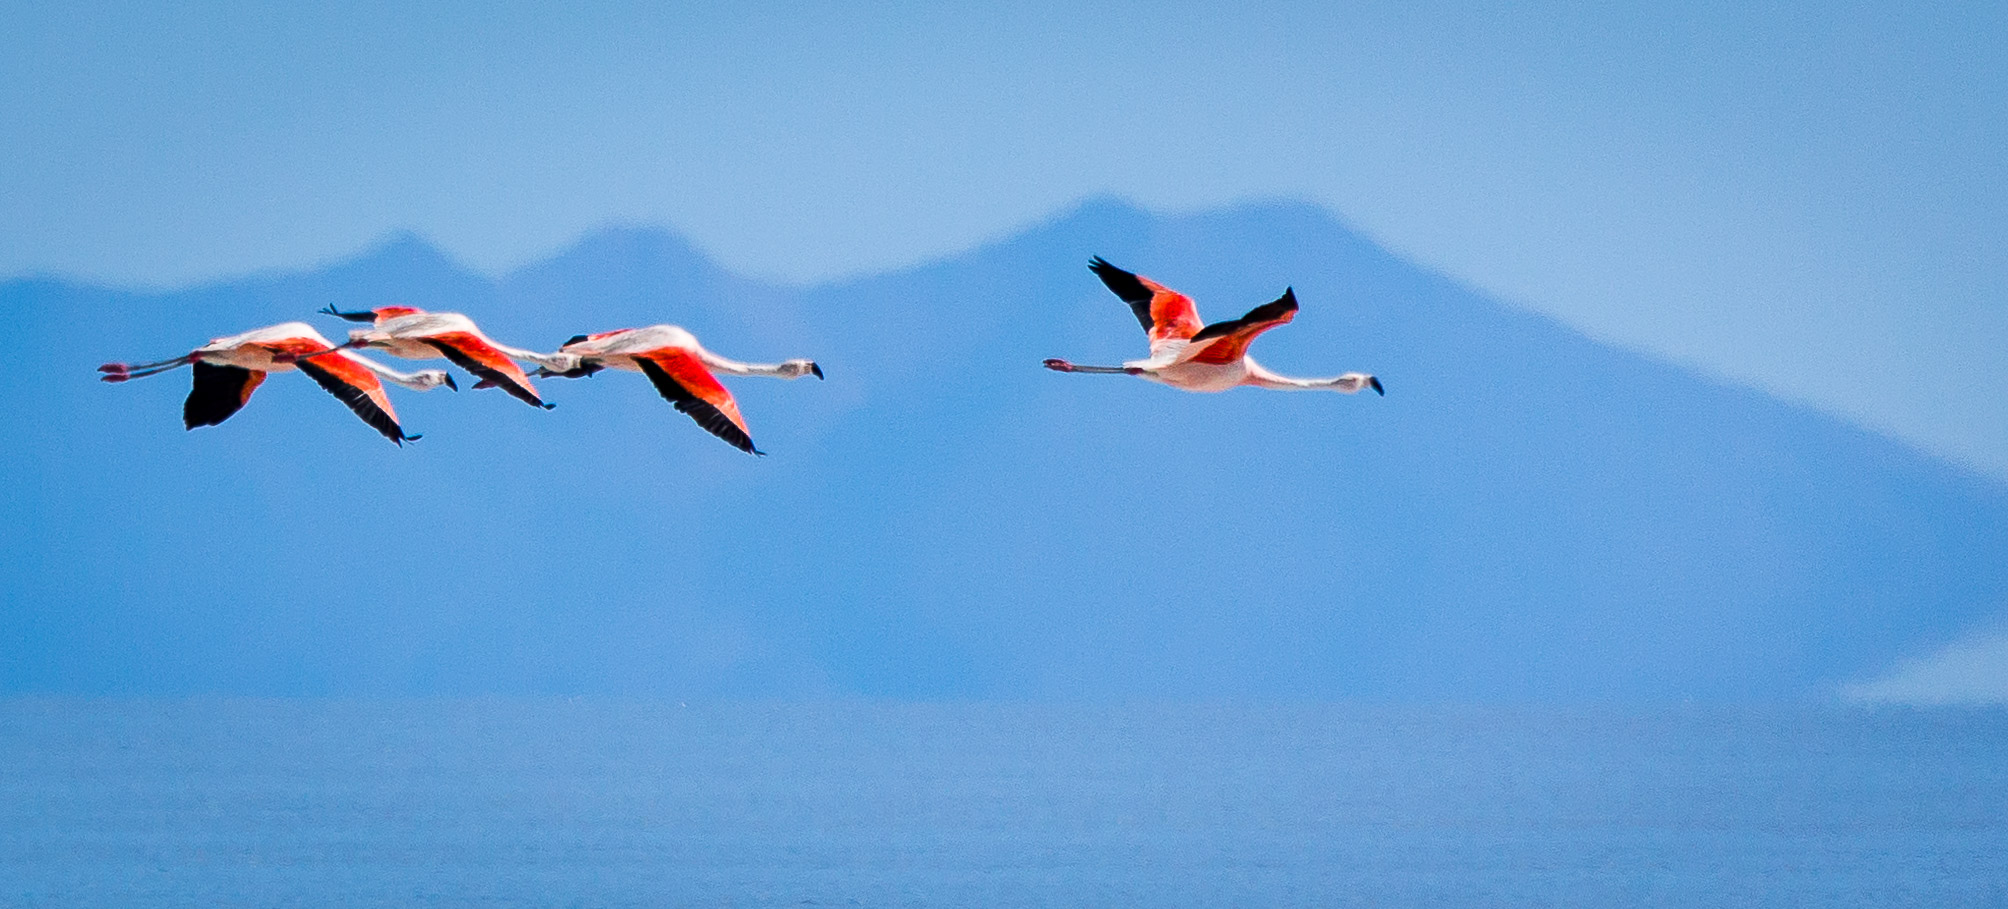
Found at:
<point>1374,383</point>
<point>816,370</point>
<point>450,383</point>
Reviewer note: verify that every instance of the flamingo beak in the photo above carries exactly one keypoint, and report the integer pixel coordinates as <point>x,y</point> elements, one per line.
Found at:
<point>1374,383</point>
<point>816,370</point>
<point>450,383</point>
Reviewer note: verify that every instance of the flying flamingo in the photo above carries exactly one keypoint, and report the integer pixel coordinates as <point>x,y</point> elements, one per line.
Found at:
<point>1213,358</point>
<point>681,370</point>
<point>414,334</point>
<point>228,369</point>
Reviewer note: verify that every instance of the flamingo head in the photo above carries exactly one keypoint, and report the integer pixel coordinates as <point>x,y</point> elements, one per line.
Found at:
<point>1354,382</point>
<point>795,369</point>
<point>428,379</point>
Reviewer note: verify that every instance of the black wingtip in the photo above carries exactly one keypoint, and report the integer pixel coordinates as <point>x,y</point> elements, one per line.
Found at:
<point>360,316</point>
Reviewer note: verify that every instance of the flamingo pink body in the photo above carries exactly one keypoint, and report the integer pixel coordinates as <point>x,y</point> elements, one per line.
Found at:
<point>228,370</point>
<point>1190,356</point>
<point>414,334</point>
<point>682,372</point>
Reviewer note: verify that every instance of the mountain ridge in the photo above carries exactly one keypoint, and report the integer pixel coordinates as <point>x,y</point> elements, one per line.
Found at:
<point>1529,514</point>
<point>684,255</point>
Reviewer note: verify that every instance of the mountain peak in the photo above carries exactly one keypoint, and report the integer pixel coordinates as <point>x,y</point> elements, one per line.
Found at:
<point>632,273</point>
<point>1103,212</point>
<point>404,250</point>
<point>625,247</point>
<point>944,517</point>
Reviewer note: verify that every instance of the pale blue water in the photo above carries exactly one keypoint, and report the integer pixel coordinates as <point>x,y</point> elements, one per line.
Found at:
<point>556,803</point>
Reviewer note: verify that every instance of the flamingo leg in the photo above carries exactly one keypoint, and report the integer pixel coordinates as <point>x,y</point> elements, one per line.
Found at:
<point>182,360</point>
<point>120,372</point>
<point>1057,365</point>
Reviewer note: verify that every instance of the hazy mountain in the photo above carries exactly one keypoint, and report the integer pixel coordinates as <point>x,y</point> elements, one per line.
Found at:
<point>1528,514</point>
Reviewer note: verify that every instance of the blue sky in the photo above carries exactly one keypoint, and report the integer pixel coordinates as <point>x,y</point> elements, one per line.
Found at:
<point>1811,197</point>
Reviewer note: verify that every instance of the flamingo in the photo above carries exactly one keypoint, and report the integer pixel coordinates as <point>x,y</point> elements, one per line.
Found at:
<point>681,370</point>
<point>414,334</point>
<point>228,369</point>
<point>1186,356</point>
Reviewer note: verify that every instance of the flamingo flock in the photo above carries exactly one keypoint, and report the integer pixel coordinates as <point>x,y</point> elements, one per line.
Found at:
<point>1184,354</point>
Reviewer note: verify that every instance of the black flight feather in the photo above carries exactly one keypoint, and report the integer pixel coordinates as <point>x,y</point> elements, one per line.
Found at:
<point>1267,312</point>
<point>494,377</point>
<point>711,418</point>
<point>218,393</point>
<point>363,316</point>
<point>1127,286</point>
<point>357,400</point>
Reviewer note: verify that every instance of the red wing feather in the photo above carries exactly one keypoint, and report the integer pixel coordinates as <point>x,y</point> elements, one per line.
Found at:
<point>356,386</point>
<point>683,380</point>
<point>1165,313</point>
<point>470,352</point>
<point>298,347</point>
<point>1226,342</point>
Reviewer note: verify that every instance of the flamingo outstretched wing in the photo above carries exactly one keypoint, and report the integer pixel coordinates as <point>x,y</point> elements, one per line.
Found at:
<point>683,380</point>
<point>1165,313</point>
<point>357,387</point>
<point>219,392</point>
<point>470,352</point>
<point>1226,342</point>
